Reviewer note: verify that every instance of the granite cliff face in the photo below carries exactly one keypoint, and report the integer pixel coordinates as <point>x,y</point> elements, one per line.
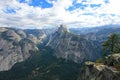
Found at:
<point>73,47</point>
<point>15,47</point>
<point>108,70</point>
<point>38,35</point>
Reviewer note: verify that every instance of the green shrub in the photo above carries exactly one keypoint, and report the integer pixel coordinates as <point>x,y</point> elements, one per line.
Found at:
<point>100,60</point>
<point>117,66</point>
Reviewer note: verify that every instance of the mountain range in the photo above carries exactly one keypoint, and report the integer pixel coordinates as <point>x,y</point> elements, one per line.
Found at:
<point>49,54</point>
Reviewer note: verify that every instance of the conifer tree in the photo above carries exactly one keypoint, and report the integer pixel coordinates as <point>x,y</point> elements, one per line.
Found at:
<point>112,44</point>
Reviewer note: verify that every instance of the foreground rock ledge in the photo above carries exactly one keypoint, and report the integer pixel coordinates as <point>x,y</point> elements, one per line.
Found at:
<point>108,70</point>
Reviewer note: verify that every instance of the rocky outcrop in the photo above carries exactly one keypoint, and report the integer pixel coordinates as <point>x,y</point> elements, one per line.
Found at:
<point>2,29</point>
<point>112,60</point>
<point>33,38</point>
<point>108,70</point>
<point>37,35</point>
<point>14,47</point>
<point>11,35</point>
<point>73,47</point>
<point>21,33</point>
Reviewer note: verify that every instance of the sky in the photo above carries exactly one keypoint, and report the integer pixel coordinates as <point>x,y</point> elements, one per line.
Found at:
<point>52,13</point>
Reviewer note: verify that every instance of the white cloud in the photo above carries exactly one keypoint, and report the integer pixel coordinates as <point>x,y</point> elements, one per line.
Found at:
<point>27,16</point>
<point>51,1</point>
<point>94,1</point>
<point>79,1</point>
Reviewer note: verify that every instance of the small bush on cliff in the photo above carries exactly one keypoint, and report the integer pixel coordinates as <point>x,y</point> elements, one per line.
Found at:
<point>100,60</point>
<point>117,66</point>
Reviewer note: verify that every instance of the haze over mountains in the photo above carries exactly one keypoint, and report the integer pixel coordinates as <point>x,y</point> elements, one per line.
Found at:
<point>41,54</point>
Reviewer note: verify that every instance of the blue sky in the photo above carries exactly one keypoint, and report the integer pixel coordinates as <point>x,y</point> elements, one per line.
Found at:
<point>37,3</point>
<point>51,13</point>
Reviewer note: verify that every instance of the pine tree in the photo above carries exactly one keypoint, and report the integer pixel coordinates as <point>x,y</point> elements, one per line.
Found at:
<point>112,45</point>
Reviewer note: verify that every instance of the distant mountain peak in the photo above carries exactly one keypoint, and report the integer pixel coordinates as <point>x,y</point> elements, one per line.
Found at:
<point>63,28</point>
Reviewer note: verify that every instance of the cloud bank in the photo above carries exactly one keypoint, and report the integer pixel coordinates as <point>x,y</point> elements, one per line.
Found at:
<point>48,13</point>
